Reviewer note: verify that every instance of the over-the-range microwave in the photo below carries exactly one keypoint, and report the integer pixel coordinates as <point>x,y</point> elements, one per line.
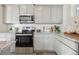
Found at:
<point>26,19</point>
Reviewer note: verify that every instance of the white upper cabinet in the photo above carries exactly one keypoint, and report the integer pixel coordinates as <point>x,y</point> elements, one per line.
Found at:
<point>11,13</point>
<point>48,13</point>
<point>42,14</point>
<point>38,14</point>
<point>26,9</point>
<point>56,14</point>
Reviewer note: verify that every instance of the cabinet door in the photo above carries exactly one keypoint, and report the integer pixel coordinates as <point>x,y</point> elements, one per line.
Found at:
<point>65,50</point>
<point>44,41</point>
<point>8,14</point>
<point>15,14</point>
<point>12,47</point>
<point>48,13</point>
<point>26,9</point>
<point>49,42</point>
<point>56,14</point>
<point>11,14</point>
<point>39,43</point>
<point>38,14</point>
<point>57,46</point>
<point>42,14</point>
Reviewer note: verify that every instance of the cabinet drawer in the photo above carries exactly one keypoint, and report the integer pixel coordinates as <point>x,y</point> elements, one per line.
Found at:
<point>63,49</point>
<point>67,51</point>
<point>68,42</point>
<point>23,50</point>
<point>20,50</point>
<point>29,50</point>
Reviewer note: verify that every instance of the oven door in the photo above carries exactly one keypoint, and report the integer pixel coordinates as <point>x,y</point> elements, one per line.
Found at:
<point>24,41</point>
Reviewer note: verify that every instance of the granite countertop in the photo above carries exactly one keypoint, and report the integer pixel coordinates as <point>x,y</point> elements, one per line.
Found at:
<point>72,37</point>
<point>45,32</point>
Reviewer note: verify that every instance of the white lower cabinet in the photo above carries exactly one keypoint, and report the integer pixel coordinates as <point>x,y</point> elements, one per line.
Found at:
<point>11,13</point>
<point>51,42</point>
<point>63,48</point>
<point>12,47</point>
<point>5,51</point>
<point>57,46</point>
<point>39,43</point>
<point>67,51</point>
<point>43,42</point>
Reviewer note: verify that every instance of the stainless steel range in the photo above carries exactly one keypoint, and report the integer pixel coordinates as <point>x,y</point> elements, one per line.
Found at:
<point>24,40</point>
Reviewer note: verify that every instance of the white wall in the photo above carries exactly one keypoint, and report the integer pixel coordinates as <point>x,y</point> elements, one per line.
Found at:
<point>69,11</point>
<point>66,16</point>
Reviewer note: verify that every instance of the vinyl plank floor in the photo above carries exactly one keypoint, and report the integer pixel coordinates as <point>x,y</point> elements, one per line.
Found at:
<point>38,53</point>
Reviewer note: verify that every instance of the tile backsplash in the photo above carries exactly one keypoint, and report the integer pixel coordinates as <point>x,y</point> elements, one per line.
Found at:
<point>42,27</point>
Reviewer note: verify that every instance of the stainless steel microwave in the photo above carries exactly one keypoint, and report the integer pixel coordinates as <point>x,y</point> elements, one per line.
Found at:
<point>26,19</point>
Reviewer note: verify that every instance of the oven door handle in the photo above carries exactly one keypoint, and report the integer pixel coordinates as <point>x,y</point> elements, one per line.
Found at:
<point>25,34</point>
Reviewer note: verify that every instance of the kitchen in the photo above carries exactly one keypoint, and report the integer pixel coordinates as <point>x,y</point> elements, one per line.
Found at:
<point>37,29</point>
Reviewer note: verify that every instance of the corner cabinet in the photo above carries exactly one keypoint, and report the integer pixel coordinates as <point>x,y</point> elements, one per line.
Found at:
<point>48,13</point>
<point>11,13</point>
